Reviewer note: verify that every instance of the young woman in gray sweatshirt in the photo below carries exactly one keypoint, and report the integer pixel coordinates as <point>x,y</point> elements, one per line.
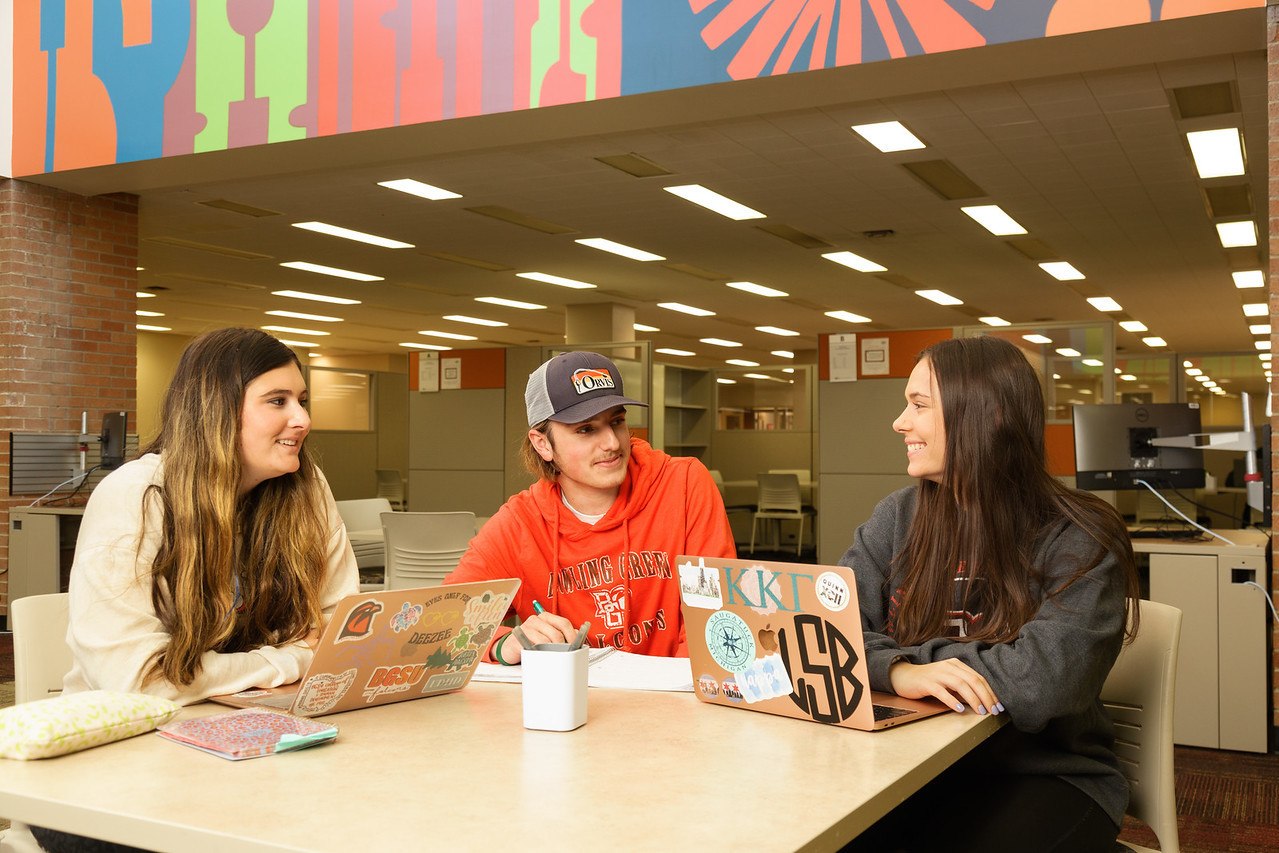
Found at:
<point>995,589</point>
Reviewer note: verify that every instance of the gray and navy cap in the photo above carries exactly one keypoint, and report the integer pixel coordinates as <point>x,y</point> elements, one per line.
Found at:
<point>574,387</point>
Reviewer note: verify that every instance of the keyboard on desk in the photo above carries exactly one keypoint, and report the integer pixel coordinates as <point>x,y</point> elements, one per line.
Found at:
<point>887,712</point>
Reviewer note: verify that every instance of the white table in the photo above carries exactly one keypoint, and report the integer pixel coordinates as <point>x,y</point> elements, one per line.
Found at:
<point>655,771</point>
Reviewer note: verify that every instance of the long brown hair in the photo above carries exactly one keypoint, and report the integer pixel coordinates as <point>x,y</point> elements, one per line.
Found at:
<point>232,572</point>
<point>995,502</point>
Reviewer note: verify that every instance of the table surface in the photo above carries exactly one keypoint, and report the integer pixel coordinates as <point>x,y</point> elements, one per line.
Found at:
<point>1247,542</point>
<point>648,771</point>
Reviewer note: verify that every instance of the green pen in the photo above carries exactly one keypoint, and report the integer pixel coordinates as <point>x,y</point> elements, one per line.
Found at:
<point>537,605</point>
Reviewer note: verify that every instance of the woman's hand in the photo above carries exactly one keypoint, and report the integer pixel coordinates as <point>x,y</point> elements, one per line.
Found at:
<point>950,681</point>
<point>541,628</point>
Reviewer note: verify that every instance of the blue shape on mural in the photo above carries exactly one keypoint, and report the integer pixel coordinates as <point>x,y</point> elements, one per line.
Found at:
<point>53,37</point>
<point>662,48</point>
<point>138,77</point>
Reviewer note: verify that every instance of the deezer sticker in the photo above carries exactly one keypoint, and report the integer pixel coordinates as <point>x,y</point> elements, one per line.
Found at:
<point>832,591</point>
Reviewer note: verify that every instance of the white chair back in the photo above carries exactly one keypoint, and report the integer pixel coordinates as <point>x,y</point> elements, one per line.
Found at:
<point>1139,695</point>
<point>803,474</point>
<point>779,493</point>
<point>423,547</point>
<point>390,485</point>
<point>41,656</point>
<point>363,513</point>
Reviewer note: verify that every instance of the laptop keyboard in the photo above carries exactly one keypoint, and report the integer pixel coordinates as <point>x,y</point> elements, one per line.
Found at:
<point>885,712</point>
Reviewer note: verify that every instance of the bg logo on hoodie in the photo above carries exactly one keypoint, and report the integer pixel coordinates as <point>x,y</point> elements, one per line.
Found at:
<point>588,379</point>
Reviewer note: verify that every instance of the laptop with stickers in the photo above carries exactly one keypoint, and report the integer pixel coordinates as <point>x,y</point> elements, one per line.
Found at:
<point>391,646</point>
<point>785,638</point>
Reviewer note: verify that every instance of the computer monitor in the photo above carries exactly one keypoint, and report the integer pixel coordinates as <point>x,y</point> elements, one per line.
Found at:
<point>111,439</point>
<point>1113,449</point>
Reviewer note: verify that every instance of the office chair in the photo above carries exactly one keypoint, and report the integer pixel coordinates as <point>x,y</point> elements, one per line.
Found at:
<point>41,657</point>
<point>363,520</point>
<point>390,485</point>
<point>1139,696</point>
<point>423,547</point>
<point>779,501</point>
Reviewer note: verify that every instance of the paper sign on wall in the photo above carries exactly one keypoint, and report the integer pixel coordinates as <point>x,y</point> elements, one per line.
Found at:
<point>874,356</point>
<point>450,373</point>
<point>428,371</point>
<point>842,350</point>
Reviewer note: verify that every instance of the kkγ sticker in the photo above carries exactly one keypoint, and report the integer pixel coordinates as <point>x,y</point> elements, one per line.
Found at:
<point>832,591</point>
<point>766,678</point>
<point>729,639</point>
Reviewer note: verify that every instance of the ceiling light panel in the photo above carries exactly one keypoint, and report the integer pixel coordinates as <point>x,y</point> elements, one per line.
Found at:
<point>142,313</point>
<point>298,315</point>
<point>1256,309</point>
<point>349,234</point>
<point>452,336</point>
<point>715,202</point>
<point>1104,303</point>
<point>558,280</point>
<point>720,342</point>
<point>414,345</point>
<point>1247,279</point>
<point>782,353</point>
<point>856,262</point>
<point>994,321</point>
<point>686,309</point>
<point>510,303</point>
<point>848,316</point>
<point>757,289</point>
<point>642,327</point>
<point>993,218</point>
<point>419,189</point>
<point>146,328</point>
<point>670,351</point>
<point>474,321</point>
<point>741,362</point>
<point>1132,326</point>
<point>776,330</point>
<point>1217,153</point>
<point>1236,234</point>
<point>619,249</point>
<point>1154,341</point>
<point>889,136</point>
<point>941,297</point>
<point>1068,352</point>
<point>1037,339</point>
<point>291,330</point>
<point>1062,270</point>
<point>314,297</point>
<point>321,269</point>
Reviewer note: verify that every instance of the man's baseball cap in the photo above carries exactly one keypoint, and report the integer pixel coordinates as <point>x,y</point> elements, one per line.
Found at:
<point>574,387</point>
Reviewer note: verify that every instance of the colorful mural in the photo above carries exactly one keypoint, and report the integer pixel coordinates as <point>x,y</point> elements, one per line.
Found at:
<point>112,81</point>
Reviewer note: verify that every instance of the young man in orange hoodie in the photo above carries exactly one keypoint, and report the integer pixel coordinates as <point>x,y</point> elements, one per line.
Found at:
<point>596,537</point>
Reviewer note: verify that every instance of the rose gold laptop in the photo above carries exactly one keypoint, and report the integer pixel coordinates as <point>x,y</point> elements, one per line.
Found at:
<point>392,646</point>
<point>785,638</point>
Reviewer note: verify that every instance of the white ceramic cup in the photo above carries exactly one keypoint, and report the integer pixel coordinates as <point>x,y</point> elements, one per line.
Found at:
<point>554,685</point>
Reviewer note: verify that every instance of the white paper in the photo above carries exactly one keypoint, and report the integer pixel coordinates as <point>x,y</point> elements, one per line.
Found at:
<point>842,353</point>
<point>874,356</point>
<point>450,373</point>
<point>614,669</point>
<point>428,371</point>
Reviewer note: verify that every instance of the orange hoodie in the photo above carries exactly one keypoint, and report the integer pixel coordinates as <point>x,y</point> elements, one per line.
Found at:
<point>619,574</point>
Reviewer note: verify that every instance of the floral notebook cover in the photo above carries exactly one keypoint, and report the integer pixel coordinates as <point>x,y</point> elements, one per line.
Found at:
<point>249,733</point>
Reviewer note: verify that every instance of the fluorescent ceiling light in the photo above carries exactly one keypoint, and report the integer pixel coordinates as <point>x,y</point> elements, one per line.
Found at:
<point>1194,371</point>
<point>856,262</point>
<point>889,136</point>
<point>149,313</point>
<point>1154,341</point>
<point>510,303</point>
<point>847,316</point>
<point>1245,279</point>
<point>1203,378</point>
<point>669,351</point>
<point>685,309</point>
<point>782,353</point>
<point>641,327</point>
<point>315,297</point>
<point>1261,344</point>
<point>993,219</point>
<point>1128,377</point>
<point>994,321</point>
<point>417,188</point>
<point>1256,309</point>
<point>1037,339</point>
<point>142,294</point>
<point>713,201</point>
<point>452,336</point>
<point>1257,329</point>
<point>307,266</point>
<point>1236,234</point>
<point>788,370</point>
<point>139,269</point>
<point>757,289</point>
<point>720,342</point>
<point>1093,362</point>
<point>145,328</point>
<point>723,381</point>
<point>474,321</point>
<point>1264,356</point>
<point>556,280</point>
<point>298,315</point>
<point>1061,270</point>
<point>776,330</point>
<point>1104,303</point>
<point>413,345</point>
<point>298,343</point>
<point>756,376</point>
<point>741,362</point>
<point>292,331</point>
<point>620,249</point>
<point>1218,153</point>
<point>314,355</point>
<point>349,234</point>
<point>1069,352</point>
<point>939,296</point>
<point>1132,326</point>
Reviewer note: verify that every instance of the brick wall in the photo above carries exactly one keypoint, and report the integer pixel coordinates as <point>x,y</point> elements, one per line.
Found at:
<point>68,271</point>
